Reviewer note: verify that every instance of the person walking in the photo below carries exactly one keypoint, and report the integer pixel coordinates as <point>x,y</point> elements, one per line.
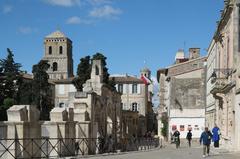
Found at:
<point>189,138</point>
<point>176,135</point>
<point>216,135</point>
<point>206,140</point>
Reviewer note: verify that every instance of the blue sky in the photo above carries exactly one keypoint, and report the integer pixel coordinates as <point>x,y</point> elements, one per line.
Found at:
<point>128,32</point>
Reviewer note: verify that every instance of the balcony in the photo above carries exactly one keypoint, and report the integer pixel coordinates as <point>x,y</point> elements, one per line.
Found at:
<point>221,85</point>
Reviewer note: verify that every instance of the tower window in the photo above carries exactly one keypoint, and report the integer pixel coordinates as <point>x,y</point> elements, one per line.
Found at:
<point>60,49</point>
<point>55,66</point>
<point>50,50</point>
<point>97,70</point>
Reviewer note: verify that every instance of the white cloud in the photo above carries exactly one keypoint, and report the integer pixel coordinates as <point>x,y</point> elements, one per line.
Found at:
<point>105,12</point>
<point>99,2</point>
<point>64,3</point>
<point>78,20</point>
<point>7,9</point>
<point>26,30</point>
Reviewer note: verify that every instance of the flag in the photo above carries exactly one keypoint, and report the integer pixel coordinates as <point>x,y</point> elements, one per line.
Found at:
<point>145,80</point>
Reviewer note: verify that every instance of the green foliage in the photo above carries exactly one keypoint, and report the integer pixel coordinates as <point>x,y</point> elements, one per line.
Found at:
<point>164,129</point>
<point>41,87</point>
<point>9,73</point>
<point>83,73</point>
<point>9,77</point>
<point>8,102</point>
<point>25,93</point>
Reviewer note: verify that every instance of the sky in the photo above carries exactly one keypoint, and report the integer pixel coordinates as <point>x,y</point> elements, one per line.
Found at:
<point>132,34</point>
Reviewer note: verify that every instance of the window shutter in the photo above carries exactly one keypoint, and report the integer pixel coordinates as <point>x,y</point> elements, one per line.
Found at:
<point>61,89</point>
<point>130,88</point>
<point>116,86</point>
<point>139,88</point>
<point>138,106</point>
<point>124,88</point>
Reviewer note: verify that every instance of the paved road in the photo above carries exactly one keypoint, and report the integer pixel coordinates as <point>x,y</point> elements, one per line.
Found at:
<point>170,152</point>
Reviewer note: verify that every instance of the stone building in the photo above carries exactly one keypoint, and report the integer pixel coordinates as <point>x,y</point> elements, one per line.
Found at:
<point>97,107</point>
<point>136,97</point>
<point>223,86</point>
<point>58,52</point>
<point>182,94</point>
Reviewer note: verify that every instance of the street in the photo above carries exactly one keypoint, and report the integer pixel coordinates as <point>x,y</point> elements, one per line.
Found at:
<point>170,152</point>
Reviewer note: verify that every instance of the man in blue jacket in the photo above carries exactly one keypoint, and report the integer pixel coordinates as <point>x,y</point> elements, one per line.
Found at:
<point>206,140</point>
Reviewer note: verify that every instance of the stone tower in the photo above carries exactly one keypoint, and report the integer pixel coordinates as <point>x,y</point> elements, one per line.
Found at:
<point>146,72</point>
<point>96,81</point>
<point>58,53</point>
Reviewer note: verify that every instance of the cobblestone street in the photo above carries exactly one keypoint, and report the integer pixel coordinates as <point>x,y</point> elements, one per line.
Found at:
<point>170,152</point>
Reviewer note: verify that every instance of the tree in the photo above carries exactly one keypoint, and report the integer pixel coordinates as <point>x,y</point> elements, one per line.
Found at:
<point>83,73</point>
<point>41,89</point>
<point>164,129</point>
<point>109,83</point>
<point>9,76</point>
<point>25,92</point>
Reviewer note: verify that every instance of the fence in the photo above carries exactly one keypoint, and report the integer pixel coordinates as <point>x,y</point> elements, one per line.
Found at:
<point>63,147</point>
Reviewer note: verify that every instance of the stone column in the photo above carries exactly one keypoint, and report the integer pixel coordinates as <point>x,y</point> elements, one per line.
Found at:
<point>23,129</point>
<point>59,134</point>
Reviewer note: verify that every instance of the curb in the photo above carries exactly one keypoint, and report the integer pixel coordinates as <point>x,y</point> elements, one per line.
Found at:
<point>112,154</point>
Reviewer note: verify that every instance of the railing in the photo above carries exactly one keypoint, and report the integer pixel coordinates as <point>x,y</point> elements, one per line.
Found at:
<point>221,85</point>
<point>63,147</point>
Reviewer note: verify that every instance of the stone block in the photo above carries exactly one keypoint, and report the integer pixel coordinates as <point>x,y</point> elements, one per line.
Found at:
<point>17,113</point>
<point>80,115</point>
<point>59,114</point>
<point>70,114</point>
<point>33,113</point>
<point>82,106</point>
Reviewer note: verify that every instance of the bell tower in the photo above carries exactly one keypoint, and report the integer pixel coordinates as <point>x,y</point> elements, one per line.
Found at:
<point>58,53</point>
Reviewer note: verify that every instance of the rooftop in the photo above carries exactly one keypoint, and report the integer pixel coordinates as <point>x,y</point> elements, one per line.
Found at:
<point>56,34</point>
<point>126,79</point>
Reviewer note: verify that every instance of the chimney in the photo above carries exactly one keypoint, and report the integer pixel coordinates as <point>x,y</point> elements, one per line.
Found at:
<point>194,53</point>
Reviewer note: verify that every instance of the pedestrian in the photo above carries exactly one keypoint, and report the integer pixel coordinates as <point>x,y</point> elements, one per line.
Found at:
<point>205,139</point>
<point>110,144</point>
<point>216,135</point>
<point>77,148</point>
<point>176,135</point>
<point>189,138</point>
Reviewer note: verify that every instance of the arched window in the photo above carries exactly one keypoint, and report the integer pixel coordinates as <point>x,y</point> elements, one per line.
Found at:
<point>55,66</point>
<point>97,70</point>
<point>50,50</point>
<point>60,49</point>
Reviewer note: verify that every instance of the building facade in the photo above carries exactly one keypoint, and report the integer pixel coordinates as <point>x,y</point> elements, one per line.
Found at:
<point>223,77</point>
<point>182,94</point>
<point>136,97</point>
